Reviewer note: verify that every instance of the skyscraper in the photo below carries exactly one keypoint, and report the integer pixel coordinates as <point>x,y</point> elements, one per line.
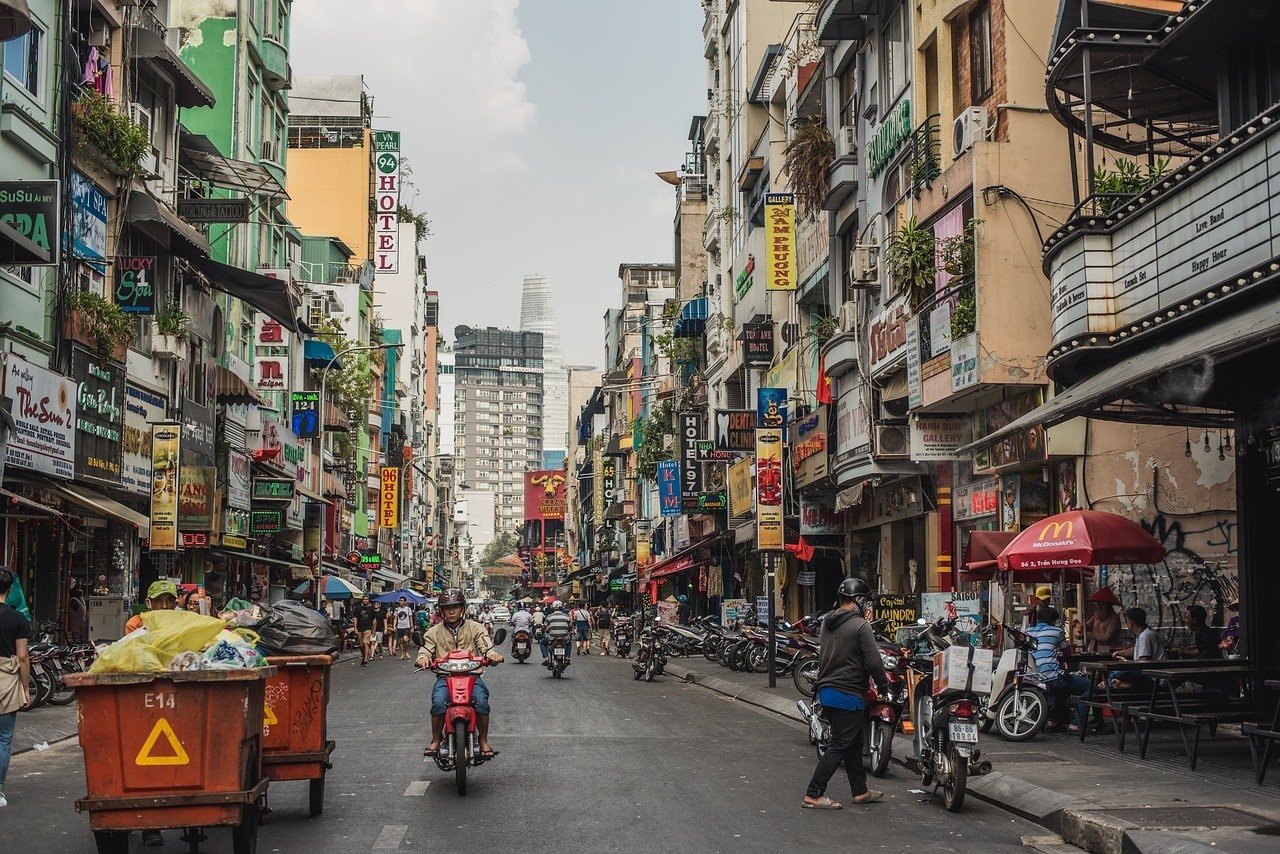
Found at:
<point>538,314</point>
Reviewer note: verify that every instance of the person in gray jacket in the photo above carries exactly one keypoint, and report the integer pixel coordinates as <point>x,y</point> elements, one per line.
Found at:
<point>847,658</point>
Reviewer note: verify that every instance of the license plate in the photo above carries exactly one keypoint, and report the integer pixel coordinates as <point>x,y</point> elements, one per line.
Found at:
<point>560,654</point>
<point>964,733</point>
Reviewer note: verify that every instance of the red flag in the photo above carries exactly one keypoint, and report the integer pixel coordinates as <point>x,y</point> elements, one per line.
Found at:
<point>823,392</point>
<point>802,550</point>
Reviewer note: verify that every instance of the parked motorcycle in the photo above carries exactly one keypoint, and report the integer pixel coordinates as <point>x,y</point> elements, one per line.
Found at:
<point>521,645</point>
<point>651,660</point>
<point>819,726</point>
<point>460,746</point>
<point>558,660</point>
<point>884,711</point>
<point>1018,705</point>
<point>623,635</point>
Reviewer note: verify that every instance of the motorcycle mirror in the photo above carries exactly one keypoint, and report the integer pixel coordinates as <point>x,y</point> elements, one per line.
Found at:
<point>922,622</point>
<point>499,636</point>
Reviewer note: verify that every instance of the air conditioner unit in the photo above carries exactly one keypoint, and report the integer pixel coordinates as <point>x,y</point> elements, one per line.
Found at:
<point>894,408</point>
<point>150,163</point>
<point>969,127</point>
<point>891,440</point>
<point>847,141</point>
<point>268,151</point>
<point>849,317</point>
<point>864,268</point>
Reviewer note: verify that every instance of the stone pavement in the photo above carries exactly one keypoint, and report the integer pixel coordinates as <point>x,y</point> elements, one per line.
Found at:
<point>1089,793</point>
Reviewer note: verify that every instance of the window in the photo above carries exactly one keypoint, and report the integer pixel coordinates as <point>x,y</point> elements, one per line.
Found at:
<point>980,52</point>
<point>849,94</point>
<point>894,61</point>
<point>22,59</point>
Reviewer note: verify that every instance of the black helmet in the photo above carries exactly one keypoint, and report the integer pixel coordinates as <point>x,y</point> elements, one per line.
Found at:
<point>852,588</point>
<point>453,596</point>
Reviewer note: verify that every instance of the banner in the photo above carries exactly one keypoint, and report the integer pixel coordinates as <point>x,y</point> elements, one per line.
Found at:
<point>780,241</point>
<point>44,410</point>
<point>386,217</point>
<point>769,534</point>
<point>771,407</point>
<point>195,498</point>
<point>668,475</point>
<point>389,498</point>
<point>142,408</point>
<point>135,288</point>
<point>687,444</point>
<point>740,496</point>
<point>166,438</point>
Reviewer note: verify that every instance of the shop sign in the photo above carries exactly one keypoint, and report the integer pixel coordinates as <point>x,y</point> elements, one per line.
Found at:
<point>198,433</point>
<point>99,416</point>
<point>44,410</point>
<point>818,517</point>
<point>293,515</point>
<point>306,414</point>
<point>544,494</point>
<point>687,444</point>
<point>732,610</point>
<point>780,257</point>
<point>271,359</point>
<point>389,498</point>
<point>239,480</point>
<point>744,281</point>
<point>939,437</point>
<point>386,198</point>
<point>897,611</point>
<point>708,453</point>
<point>964,361</point>
<point>166,441</point>
<point>769,535</point>
<point>757,343</point>
<point>141,410</point>
<point>214,210</point>
<point>135,286</point>
<point>887,335</point>
<point>291,457</point>
<point>740,492</point>
<point>853,424</point>
<point>195,540</point>
<point>736,430</point>
<point>597,482</point>
<point>813,246</point>
<point>712,501</point>
<point>274,488</point>
<point>88,220</point>
<point>771,407</point>
<point>975,500</point>
<point>266,521</point>
<point>668,475</point>
<point>915,380</point>
<point>32,208</point>
<point>195,502</point>
<point>809,448</point>
<point>888,138</point>
<point>806,578</point>
<point>234,541</point>
<point>372,560</point>
<point>680,533</point>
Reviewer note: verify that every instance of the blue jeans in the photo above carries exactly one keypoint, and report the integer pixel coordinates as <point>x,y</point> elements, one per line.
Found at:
<point>440,697</point>
<point>7,723</point>
<point>542,645</point>
<point>1063,687</point>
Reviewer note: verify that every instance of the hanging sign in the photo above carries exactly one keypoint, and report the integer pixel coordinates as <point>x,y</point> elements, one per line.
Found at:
<point>668,475</point>
<point>389,498</point>
<point>266,521</point>
<point>214,210</point>
<point>99,416</point>
<point>386,197</point>
<point>757,343</point>
<point>809,447</point>
<point>780,240</point>
<point>166,440</point>
<point>271,362</point>
<point>769,535</point>
<point>135,288</point>
<point>88,220</point>
<point>44,411</point>
<point>142,408</point>
<point>771,407</point>
<point>274,488</point>
<point>195,498</point>
<point>306,414</point>
<point>736,430</point>
<point>687,443</point>
<point>32,209</point>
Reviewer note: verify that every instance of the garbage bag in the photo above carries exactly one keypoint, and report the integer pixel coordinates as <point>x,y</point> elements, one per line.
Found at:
<point>163,636</point>
<point>131,654</point>
<point>295,629</point>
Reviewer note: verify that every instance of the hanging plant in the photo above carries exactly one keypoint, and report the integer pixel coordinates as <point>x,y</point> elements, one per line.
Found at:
<point>964,317</point>
<point>808,157</point>
<point>102,322</point>
<point>822,329</point>
<point>910,258</point>
<point>111,132</point>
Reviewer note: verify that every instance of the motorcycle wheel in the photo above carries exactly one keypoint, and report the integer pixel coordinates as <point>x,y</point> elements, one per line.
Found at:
<point>649,671</point>
<point>1021,715</point>
<point>804,675</point>
<point>61,694</point>
<point>738,659</point>
<point>711,650</point>
<point>758,659</point>
<point>957,780</point>
<point>635,671</point>
<point>881,747</point>
<point>723,654</point>
<point>460,755</point>
<point>921,713</point>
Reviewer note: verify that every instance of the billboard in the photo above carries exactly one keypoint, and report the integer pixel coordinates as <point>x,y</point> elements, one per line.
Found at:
<point>544,494</point>
<point>769,533</point>
<point>166,439</point>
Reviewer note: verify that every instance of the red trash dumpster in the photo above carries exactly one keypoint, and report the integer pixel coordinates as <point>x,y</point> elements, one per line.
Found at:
<point>294,722</point>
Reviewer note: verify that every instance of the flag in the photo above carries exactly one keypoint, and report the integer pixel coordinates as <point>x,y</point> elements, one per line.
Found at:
<point>823,392</point>
<point>802,550</point>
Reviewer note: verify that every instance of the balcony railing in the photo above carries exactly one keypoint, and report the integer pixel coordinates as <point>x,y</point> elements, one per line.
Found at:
<point>924,157</point>
<point>947,314</point>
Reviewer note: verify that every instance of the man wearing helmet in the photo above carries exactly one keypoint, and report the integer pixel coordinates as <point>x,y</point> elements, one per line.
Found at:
<point>455,632</point>
<point>558,626</point>
<point>848,655</point>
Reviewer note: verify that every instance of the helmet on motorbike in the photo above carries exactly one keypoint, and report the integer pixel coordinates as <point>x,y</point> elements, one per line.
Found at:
<point>557,605</point>
<point>453,596</point>
<point>853,588</point>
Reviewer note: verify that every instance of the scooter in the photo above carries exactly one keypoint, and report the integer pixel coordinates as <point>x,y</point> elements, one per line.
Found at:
<point>651,660</point>
<point>460,746</point>
<point>623,634</point>
<point>559,658</point>
<point>884,711</point>
<point>1018,706</point>
<point>521,645</point>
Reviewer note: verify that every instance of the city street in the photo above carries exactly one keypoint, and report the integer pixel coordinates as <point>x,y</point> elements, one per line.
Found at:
<point>595,762</point>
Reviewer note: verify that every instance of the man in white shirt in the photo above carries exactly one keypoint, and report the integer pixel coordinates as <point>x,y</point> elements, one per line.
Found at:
<point>521,619</point>
<point>403,622</point>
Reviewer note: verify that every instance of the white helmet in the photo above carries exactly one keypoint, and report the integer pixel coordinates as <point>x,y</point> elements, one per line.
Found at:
<point>557,605</point>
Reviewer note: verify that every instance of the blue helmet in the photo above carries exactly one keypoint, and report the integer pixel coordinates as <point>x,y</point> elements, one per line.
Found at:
<point>682,598</point>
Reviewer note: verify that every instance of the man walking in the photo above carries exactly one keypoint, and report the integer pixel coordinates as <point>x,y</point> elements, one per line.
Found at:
<point>365,618</point>
<point>15,671</point>
<point>604,622</point>
<point>848,655</point>
<point>404,624</point>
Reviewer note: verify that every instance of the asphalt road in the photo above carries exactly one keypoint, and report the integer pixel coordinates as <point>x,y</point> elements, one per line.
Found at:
<point>593,762</point>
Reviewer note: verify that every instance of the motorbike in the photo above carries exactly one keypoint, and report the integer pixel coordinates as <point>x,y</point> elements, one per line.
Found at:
<point>460,746</point>
<point>623,634</point>
<point>558,647</point>
<point>819,726</point>
<point>521,645</point>
<point>678,639</point>
<point>651,660</point>
<point>539,630</point>
<point>1018,705</point>
<point>946,726</point>
<point>884,711</point>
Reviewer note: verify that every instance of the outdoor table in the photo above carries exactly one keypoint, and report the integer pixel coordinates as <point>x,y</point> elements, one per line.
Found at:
<point>1098,671</point>
<point>1195,710</point>
<point>1267,737</point>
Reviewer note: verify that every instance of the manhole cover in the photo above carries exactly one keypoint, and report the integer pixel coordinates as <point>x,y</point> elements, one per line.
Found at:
<point>1188,816</point>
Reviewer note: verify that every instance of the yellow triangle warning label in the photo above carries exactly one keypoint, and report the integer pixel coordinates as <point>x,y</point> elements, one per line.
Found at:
<point>269,717</point>
<point>147,757</point>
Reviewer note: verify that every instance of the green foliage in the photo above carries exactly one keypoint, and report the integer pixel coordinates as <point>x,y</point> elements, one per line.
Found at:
<point>821,328</point>
<point>808,158</point>
<point>685,354</point>
<point>110,327</point>
<point>505,544</point>
<point>910,258</point>
<point>351,385</point>
<point>964,317</point>
<point>110,131</point>
<point>1112,188</point>
<point>174,321</point>
<point>421,225</point>
<point>655,431</point>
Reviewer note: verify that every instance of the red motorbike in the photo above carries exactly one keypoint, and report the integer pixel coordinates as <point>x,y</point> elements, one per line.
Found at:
<point>460,744</point>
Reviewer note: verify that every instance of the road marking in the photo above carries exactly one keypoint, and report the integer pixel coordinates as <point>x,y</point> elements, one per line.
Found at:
<point>417,789</point>
<point>390,837</point>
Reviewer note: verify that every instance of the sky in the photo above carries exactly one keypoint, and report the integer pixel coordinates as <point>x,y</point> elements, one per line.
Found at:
<point>533,129</point>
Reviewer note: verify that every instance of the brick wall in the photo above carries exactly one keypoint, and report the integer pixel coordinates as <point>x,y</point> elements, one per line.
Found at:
<point>963,70</point>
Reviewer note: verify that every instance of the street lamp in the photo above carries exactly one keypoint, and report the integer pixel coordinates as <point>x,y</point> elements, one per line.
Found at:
<point>324,381</point>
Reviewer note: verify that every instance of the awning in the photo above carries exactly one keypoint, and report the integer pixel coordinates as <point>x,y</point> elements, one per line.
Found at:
<point>29,504</point>
<point>683,561</point>
<point>388,576</point>
<point>838,20</point>
<point>850,497</point>
<point>318,353</point>
<point>233,390</point>
<point>108,507</point>
<point>1145,385</point>
<point>693,319</point>
<point>191,244</point>
<point>18,249</point>
<point>981,552</point>
<point>15,19</point>
<point>227,173</point>
<point>268,295</point>
<point>188,89</point>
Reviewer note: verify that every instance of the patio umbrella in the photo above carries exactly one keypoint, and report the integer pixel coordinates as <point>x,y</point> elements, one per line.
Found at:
<point>394,596</point>
<point>981,552</point>
<point>547,600</point>
<point>1080,538</point>
<point>334,588</point>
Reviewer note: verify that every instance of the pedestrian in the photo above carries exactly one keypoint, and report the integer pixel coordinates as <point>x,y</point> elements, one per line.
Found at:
<point>847,657</point>
<point>15,671</point>
<point>366,618</point>
<point>582,625</point>
<point>604,622</point>
<point>404,624</point>
<point>1230,643</point>
<point>684,614</point>
<point>77,615</point>
<point>1104,622</point>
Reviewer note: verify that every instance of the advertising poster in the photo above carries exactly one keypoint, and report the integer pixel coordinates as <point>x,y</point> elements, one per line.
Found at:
<point>44,412</point>
<point>741,497</point>
<point>544,494</point>
<point>668,475</point>
<point>771,407</point>
<point>142,408</point>
<point>668,612</point>
<point>769,532</point>
<point>386,197</point>
<point>965,608</point>
<point>736,430</point>
<point>1068,496</point>
<point>1011,503</point>
<point>389,498</point>
<point>195,502</point>
<point>732,610</point>
<point>166,439</point>
<point>818,516</point>
<point>780,241</point>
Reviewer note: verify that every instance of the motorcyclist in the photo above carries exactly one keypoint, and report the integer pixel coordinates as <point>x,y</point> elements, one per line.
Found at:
<point>455,632</point>
<point>558,626</point>
<point>522,619</point>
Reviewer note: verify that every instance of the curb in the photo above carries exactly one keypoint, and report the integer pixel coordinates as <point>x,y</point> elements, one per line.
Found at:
<point>751,696</point>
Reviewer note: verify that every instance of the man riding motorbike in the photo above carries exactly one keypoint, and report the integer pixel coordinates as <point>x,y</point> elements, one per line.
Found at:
<point>455,632</point>
<point>558,626</point>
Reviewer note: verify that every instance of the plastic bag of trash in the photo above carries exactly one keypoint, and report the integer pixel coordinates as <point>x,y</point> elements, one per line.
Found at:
<point>164,635</point>
<point>295,629</point>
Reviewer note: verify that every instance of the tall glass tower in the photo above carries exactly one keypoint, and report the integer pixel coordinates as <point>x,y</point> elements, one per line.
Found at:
<point>538,314</point>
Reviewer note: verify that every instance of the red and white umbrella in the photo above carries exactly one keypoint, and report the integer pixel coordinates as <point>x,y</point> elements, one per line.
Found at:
<point>1080,538</point>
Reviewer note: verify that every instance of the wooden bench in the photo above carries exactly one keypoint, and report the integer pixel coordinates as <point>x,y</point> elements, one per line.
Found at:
<point>1116,702</point>
<point>1263,736</point>
<point>1191,712</point>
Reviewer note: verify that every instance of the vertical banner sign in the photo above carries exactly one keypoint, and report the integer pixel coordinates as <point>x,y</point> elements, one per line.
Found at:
<point>389,501</point>
<point>165,444</point>
<point>306,414</point>
<point>690,468</point>
<point>597,485</point>
<point>769,489</point>
<point>271,363</point>
<point>780,240</point>
<point>386,176</point>
<point>135,289</point>
<point>771,407</point>
<point>668,473</point>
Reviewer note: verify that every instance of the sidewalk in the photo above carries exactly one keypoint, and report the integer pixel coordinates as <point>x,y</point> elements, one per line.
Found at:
<point>1095,797</point>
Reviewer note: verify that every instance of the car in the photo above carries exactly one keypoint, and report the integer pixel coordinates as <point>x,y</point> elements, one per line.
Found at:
<point>501,614</point>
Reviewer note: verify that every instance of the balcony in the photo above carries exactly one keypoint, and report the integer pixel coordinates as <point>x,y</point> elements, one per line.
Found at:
<point>711,33</point>
<point>842,178</point>
<point>276,73</point>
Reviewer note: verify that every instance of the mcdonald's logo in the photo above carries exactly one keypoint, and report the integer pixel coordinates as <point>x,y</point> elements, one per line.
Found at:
<point>1058,529</point>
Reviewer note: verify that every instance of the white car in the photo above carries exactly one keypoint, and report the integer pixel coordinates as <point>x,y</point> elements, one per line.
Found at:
<point>501,614</point>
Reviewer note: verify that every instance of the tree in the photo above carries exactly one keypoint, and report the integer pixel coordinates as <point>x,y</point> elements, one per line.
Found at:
<point>504,545</point>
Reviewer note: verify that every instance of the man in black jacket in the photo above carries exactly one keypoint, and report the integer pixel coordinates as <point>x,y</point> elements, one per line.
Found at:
<point>847,657</point>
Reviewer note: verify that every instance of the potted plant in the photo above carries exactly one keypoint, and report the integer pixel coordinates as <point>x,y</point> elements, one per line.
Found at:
<point>108,135</point>
<point>1113,188</point>
<point>169,334</point>
<point>808,157</point>
<point>98,323</point>
<point>910,258</point>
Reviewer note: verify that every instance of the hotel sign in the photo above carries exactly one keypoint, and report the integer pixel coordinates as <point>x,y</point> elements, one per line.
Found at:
<point>386,198</point>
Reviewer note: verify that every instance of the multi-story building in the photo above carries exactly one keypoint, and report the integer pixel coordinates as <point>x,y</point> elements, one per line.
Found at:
<point>498,430</point>
<point>538,314</point>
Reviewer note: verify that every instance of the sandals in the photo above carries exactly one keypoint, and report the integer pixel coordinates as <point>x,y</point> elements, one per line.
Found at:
<point>869,796</point>
<point>822,803</point>
<point>431,753</point>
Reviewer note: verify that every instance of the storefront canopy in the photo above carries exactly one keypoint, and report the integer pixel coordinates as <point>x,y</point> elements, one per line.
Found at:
<point>188,89</point>
<point>233,390</point>
<point>268,295</point>
<point>23,501</point>
<point>981,552</point>
<point>107,507</point>
<point>693,319</point>
<point>190,243</point>
<point>319,354</point>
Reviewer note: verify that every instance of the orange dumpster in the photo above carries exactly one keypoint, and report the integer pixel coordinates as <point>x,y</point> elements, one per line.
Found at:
<point>172,750</point>
<point>294,722</point>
